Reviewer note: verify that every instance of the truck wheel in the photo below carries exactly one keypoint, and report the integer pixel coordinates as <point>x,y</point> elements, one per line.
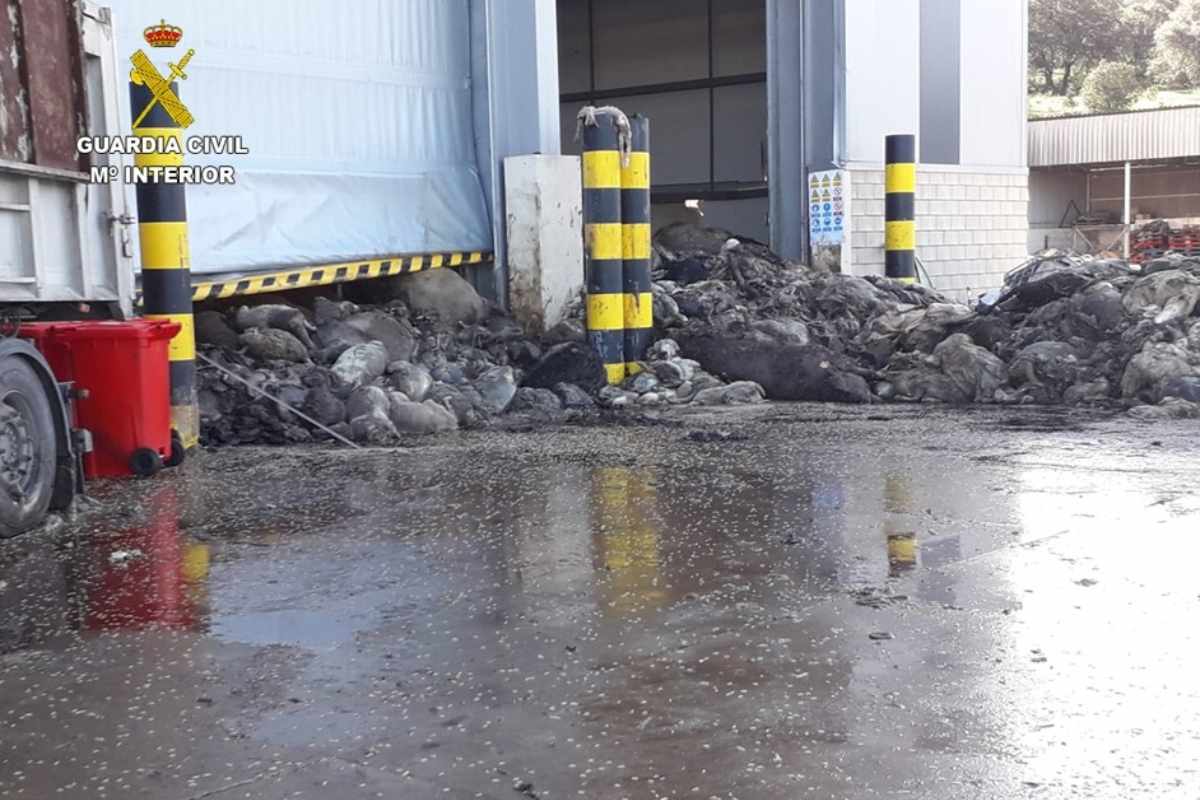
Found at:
<point>28,451</point>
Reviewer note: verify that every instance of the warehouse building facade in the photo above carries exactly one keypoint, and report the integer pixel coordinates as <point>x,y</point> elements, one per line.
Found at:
<point>756,105</point>
<point>384,132</point>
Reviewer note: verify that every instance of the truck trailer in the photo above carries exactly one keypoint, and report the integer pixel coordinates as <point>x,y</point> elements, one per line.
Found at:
<point>66,249</point>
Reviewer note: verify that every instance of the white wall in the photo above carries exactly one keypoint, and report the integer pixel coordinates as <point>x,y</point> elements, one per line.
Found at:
<point>972,225</point>
<point>883,75</point>
<point>993,83</point>
<point>972,216</point>
<point>883,79</point>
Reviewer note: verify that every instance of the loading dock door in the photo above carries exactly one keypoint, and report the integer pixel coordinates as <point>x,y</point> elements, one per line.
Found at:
<point>358,120</point>
<point>697,68</point>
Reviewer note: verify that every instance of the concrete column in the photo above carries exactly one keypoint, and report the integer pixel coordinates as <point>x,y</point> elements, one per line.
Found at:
<point>787,176</point>
<point>543,196</point>
<point>805,41</point>
<point>514,84</point>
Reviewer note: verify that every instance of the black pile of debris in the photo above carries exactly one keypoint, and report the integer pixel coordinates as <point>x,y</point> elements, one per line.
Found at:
<point>429,356</point>
<point>735,324</point>
<point>1063,330</point>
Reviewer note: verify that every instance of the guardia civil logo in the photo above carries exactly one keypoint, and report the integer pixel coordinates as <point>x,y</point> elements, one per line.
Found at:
<point>146,74</point>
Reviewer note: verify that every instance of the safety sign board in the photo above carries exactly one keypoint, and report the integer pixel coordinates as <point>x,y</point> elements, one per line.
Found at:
<point>826,207</point>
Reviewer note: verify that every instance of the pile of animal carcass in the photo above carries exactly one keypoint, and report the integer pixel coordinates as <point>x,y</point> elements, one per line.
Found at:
<point>734,324</point>
<point>1063,330</point>
<point>427,355</point>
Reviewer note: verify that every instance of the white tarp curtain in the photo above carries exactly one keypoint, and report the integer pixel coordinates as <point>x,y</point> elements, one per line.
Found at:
<point>357,116</point>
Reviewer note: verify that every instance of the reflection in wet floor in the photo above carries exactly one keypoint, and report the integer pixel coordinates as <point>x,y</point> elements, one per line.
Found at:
<point>901,539</point>
<point>805,614</point>
<point>626,540</point>
<point>150,574</point>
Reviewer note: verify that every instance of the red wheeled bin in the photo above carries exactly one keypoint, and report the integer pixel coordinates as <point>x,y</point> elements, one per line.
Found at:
<point>122,380</point>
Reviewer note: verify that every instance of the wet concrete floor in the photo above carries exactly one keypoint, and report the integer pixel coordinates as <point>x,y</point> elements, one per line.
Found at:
<point>829,603</point>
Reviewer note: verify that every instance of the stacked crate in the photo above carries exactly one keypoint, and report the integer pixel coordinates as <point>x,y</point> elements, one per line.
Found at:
<point>1185,240</point>
<point>1155,240</point>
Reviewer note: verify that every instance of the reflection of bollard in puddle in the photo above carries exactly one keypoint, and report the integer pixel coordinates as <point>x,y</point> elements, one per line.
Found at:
<point>151,575</point>
<point>902,546</point>
<point>902,553</point>
<point>627,539</point>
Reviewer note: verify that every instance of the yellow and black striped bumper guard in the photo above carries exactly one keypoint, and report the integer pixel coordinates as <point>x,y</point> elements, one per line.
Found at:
<point>328,274</point>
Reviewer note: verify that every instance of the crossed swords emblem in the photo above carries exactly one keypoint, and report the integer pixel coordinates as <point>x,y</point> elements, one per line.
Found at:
<point>144,72</point>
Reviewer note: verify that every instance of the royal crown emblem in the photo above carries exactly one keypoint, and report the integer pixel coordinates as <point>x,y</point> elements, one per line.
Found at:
<point>163,35</point>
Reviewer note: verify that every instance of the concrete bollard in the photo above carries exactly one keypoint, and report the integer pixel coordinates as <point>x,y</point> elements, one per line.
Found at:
<point>636,239</point>
<point>900,241</point>
<point>603,241</point>
<point>166,261</point>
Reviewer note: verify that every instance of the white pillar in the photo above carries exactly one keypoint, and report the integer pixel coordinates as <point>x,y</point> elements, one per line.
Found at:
<point>544,202</point>
<point>1128,217</point>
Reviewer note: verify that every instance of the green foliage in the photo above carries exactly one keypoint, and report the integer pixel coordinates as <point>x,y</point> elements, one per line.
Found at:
<point>1067,38</point>
<point>1177,47</point>
<point>1140,21</point>
<point>1111,86</point>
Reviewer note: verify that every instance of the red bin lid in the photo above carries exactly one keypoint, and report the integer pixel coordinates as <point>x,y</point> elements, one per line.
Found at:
<point>141,329</point>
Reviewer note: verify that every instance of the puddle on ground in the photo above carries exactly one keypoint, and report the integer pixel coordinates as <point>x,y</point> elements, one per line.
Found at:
<point>815,612</point>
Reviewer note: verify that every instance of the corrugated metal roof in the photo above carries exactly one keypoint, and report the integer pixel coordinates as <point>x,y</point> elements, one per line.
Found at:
<point>1110,138</point>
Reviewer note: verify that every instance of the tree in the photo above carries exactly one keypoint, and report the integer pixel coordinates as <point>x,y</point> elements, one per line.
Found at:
<point>1140,20</point>
<point>1111,86</point>
<point>1068,37</point>
<point>1177,47</point>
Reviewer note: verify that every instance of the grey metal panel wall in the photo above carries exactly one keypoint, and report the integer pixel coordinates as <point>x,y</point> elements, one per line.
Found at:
<point>514,80</point>
<point>786,53</point>
<point>805,102</point>
<point>941,81</point>
<point>1110,138</point>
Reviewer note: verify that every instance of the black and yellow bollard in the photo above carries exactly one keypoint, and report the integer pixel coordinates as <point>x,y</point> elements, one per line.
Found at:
<point>603,242</point>
<point>900,239</point>
<point>166,262</point>
<point>636,237</point>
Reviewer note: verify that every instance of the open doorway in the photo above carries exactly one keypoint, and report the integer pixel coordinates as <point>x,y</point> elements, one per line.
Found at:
<point>698,70</point>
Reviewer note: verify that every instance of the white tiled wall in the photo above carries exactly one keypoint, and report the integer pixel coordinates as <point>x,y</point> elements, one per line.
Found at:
<point>972,226</point>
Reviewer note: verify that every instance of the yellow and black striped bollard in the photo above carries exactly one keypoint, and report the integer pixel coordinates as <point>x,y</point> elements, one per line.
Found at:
<point>603,243</point>
<point>635,220</point>
<point>900,240</point>
<point>166,262</point>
